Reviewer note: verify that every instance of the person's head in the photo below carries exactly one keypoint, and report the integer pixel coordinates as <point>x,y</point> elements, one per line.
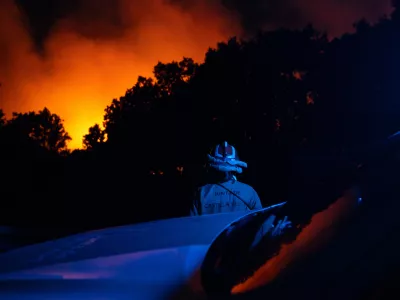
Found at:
<point>224,162</point>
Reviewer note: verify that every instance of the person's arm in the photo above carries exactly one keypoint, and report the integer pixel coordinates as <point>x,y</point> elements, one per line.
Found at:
<point>266,226</point>
<point>195,209</point>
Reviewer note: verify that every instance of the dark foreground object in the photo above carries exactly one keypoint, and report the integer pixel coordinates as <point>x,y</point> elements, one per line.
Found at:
<point>359,258</point>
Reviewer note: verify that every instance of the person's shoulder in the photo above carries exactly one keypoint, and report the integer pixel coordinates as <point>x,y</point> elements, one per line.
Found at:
<point>204,186</point>
<point>244,185</point>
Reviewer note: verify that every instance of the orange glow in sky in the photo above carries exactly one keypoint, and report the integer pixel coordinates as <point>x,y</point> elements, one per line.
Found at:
<point>97,53</point>
<point>80,75</point>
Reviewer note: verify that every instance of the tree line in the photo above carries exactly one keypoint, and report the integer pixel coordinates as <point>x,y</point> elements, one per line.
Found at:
<point>297,106</point>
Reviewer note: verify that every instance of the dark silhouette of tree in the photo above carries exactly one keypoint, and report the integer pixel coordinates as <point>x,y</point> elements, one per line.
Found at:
<point>44,128</point>
<point>2,118</point>
<point>396,13</point>
<point>357,85</point>
<point>94,138</point>
<point>30,148</point>
<point>173,76</point>
<point>126,113</point>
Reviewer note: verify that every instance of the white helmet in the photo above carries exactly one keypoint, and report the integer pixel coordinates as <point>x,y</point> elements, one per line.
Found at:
<point>226,159</point>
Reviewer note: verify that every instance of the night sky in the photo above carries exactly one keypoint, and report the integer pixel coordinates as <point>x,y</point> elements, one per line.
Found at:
<point>334,16</point>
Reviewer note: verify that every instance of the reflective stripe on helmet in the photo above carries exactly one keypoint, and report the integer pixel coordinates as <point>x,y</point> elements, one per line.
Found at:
<point>225,151</point>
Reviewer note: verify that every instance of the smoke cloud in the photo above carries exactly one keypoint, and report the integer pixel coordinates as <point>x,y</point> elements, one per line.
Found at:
<point>333,16</point>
